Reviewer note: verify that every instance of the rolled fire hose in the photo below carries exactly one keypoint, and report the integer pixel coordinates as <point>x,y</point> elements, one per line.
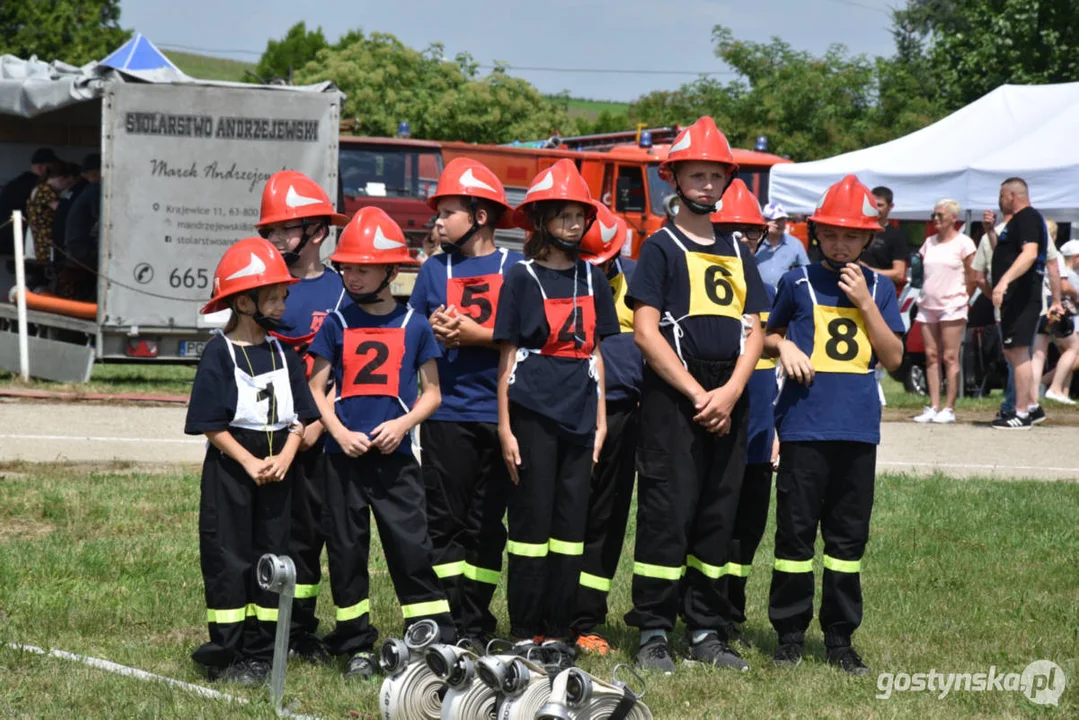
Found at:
<point>575,695</point>
<point>523,684</point>
<point>411,691</point>
<point>278,574</point>
<point>467,697</point>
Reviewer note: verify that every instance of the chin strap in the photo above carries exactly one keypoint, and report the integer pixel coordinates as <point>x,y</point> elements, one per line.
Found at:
<point>700,208</point>
<point>813,240</point>
<point>370,298</point>
<point>265,322</point>
<point>293,256</point>
<point>454,248</point>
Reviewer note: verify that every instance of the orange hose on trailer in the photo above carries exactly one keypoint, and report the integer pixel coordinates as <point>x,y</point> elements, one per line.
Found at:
<point>47,302</point>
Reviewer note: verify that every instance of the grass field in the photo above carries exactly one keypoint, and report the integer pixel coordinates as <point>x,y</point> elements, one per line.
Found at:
<point>960,576</point>
<point>209,68</point>
<point>592,108</point>
<point>141,378</point>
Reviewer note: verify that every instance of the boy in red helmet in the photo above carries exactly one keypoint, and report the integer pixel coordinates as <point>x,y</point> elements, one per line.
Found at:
<point>614,472</point>
<point>295,216</point>
<point>375,349</point>
<point>829,323</point>
<point>464,476</point>
<point>741,216</point>
<point>250,399</point>
<point>696,302</point>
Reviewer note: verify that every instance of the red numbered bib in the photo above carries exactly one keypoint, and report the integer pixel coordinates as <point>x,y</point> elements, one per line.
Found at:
<point>301,344</point>
<point>371,360</point>
<point>476,297</point>
<point>570,336</point>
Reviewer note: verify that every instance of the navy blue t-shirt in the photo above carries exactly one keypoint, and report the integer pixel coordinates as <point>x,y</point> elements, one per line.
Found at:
<point>371,367</point>
<point>838,405</point>
<point>701,287</point>
<point>761,389</point>
<point>468,376</point>
<point>213,394</point>
<point>622,359</point>
<point>559,388</point>
<point>310,301</point>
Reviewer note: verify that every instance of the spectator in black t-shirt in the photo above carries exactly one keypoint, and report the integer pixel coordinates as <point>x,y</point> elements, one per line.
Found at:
<point>888,253</point>
<point>16,193</point>
<point>1018,264</point>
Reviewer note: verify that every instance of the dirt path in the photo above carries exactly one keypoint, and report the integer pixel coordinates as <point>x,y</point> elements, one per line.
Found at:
<point>74,432</point>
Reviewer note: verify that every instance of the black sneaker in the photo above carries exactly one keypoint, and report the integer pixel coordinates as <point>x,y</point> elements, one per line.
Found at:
<point>236,674</point>
<point>259,670</point>
<point>361,666</point>
<point>310,649</point>
<point>1037,415</point>
<point>713,651</point>
<point>847,660</point>
<point>789,654</point>
<point>656,655</point>
<point>556,653</point>
<point>1012,422</point>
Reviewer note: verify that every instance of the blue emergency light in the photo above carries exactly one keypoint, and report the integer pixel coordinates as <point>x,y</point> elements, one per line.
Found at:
<point>404,129</point>
<point>762,143</point>
<point>646,140</point>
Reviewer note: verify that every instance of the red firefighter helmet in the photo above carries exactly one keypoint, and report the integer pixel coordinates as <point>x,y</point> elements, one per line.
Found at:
<point>562,183</point>
<point>372,238</point>
<point>605,238</point>
<point>291,195</point>
<point>739,207</point>
<point>700,141</point>
<point>465,177</point>
<point>848,204</point>
<point>248,264</point>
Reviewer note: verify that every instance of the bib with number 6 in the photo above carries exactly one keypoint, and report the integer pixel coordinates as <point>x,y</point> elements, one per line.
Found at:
<point>371,359</point>
<point>840,340</point>
<point>717,285</point>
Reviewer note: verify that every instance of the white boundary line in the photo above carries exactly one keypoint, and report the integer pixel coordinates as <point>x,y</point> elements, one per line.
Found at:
<point>91,438</point>
<point>976,466</point>
<point>126,671</point>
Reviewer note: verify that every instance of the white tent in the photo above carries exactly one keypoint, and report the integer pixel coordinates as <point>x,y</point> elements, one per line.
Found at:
<point>1029,131</point>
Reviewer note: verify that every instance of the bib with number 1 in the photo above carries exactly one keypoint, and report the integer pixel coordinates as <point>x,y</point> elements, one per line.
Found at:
<point>840,340</point>
<point>717,285</point>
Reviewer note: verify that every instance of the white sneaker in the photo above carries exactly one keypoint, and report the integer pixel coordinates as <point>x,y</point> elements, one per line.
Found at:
<point>927,415</point>
<point>947,415</point>
<point>1050,395</point>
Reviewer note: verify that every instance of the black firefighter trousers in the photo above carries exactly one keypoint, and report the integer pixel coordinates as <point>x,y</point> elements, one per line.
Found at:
<point>688,487</point>
<point>830,484</point>
<point>390,486</point>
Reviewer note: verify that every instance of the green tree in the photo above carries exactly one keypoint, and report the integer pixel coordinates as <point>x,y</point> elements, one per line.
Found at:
<point>966,49</point>
<point>809,107</point>
<point>386,82</point>
<point>74,31</point>
<point>296,49</point>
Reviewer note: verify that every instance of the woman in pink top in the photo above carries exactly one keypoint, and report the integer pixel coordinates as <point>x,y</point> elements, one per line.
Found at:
<point>942,306</point>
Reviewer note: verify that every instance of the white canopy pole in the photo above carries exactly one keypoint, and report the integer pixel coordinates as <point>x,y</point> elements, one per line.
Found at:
<point>20,295</point>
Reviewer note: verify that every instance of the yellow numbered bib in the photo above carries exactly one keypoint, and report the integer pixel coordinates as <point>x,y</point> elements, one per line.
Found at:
<point>765,363</point>
<point>717,285</point>
<point>619,288</point>
<point>840,341</point>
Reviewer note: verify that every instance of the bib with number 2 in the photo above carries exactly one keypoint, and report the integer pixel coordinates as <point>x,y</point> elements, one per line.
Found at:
<point>371,359</point>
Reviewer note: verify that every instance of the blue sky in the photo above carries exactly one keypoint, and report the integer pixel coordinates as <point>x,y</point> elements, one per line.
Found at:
<point>585,34</point>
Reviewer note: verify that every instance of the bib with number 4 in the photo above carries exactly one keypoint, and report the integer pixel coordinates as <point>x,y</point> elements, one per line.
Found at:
<point>371,360</point>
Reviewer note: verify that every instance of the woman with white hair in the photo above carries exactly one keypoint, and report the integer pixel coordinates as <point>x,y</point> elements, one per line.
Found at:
<point>942,307</point>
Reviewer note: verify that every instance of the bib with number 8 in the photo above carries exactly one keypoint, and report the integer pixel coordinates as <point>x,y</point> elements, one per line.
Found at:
<point>371,359</point>
<point>840,340</point>
<point>717,285</point>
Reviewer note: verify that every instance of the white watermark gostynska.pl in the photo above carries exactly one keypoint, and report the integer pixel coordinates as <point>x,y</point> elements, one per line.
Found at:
<point>1041,682</point>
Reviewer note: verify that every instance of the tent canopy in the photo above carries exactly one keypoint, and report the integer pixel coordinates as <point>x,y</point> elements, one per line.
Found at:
<point>31,87</point>
<point>1026,131</point>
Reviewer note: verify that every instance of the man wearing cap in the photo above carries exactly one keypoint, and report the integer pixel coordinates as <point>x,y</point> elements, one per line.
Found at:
<point>78,279</point>
<point>780,251</point>
<point>16,193</point>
